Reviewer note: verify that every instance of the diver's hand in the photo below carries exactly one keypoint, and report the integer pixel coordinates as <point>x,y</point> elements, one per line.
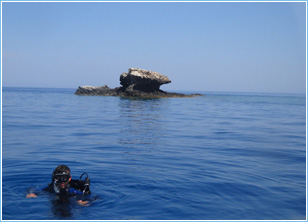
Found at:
<point>83,203</point>
<point>31,195</point>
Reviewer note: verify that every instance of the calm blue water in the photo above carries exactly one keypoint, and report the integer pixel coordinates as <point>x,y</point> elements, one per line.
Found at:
<point>221,156</point>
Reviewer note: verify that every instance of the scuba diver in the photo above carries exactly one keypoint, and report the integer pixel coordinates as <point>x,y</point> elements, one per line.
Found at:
<point>64,186</point>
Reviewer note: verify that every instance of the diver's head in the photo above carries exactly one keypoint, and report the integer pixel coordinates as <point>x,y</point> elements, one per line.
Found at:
<point>61,177</point>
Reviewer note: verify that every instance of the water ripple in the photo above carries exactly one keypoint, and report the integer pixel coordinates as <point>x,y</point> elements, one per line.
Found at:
<point>217,157</point>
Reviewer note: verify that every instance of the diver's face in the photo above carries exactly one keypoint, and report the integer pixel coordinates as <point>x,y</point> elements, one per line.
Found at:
<point>62,179</point>
<point>63,185</point>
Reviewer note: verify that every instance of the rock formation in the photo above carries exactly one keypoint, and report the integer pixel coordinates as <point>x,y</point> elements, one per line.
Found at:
<point>136,83</point>
<point>143,80</point>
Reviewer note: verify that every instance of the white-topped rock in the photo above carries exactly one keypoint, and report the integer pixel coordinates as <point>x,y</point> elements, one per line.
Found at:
<point>144,80</point>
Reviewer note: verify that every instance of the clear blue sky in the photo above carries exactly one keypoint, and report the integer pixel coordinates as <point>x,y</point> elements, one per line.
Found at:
<point>241,47</point>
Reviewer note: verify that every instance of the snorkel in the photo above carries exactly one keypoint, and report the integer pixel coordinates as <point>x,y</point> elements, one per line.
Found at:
<point>86,183</point>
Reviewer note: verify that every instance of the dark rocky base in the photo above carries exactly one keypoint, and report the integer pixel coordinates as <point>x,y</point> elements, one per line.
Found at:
<point>127,92</point>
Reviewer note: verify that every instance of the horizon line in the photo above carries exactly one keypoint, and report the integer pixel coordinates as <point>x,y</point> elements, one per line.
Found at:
<point>177,90</point>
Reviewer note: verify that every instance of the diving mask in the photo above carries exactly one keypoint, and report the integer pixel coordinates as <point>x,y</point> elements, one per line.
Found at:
<point>62,177</point>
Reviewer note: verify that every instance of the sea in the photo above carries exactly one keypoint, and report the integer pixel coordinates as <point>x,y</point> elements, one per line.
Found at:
<point>220,156</point>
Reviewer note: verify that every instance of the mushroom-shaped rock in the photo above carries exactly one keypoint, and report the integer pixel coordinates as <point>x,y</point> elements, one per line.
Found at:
<point>143,80</point>
<point>137,83</point>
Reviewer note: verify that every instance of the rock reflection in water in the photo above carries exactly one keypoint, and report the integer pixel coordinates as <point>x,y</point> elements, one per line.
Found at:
<point>141,121</point>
